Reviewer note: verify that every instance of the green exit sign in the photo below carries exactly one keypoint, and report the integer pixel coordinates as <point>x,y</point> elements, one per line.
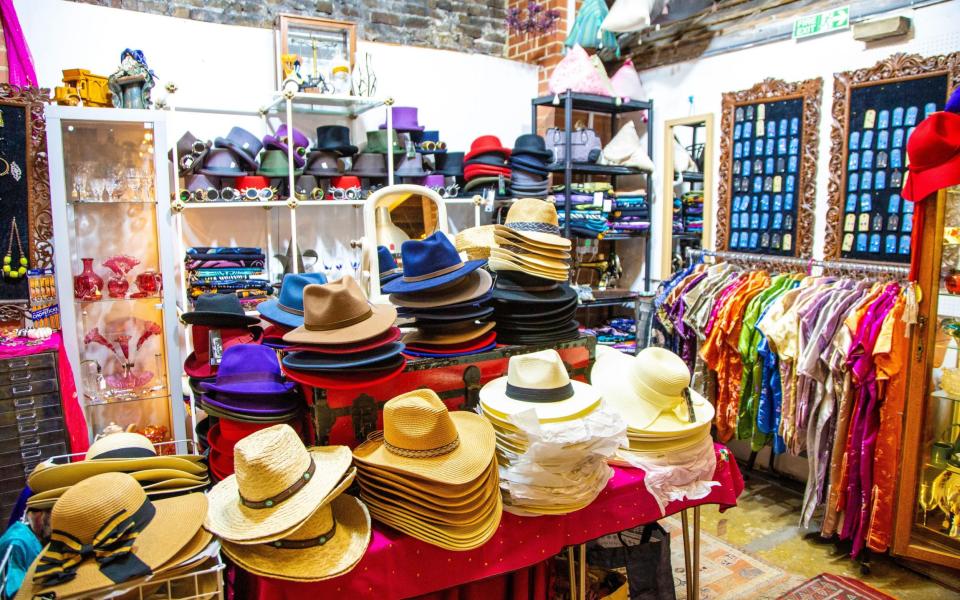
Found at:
<point>826,22</point>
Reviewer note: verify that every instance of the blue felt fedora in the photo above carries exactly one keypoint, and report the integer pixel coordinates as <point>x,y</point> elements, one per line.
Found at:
<point>314,361</point>
<point>387,265</point>
<point>430,263</point>
<point>287,309</point>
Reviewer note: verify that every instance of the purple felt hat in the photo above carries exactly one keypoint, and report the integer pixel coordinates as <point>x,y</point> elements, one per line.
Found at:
<point>404,119</point>
<point>253,406</point>
<point>281,139</point>
<point>249,369</point>
<point>433,180</point>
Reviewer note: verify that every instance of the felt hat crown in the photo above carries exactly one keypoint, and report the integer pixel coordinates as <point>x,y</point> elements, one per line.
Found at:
<point>242,143</point>
<point>369,164</point>
<point>248,369</point>
<point>345,181</point>
<point>404,119</point>
<point>281,141</point>
<point>222,162</point>
<point>335,138</point>
<point>934,153</point>
<point>410,167</point>
<point>487,144</point>
<point>386,263</point>
<point>275,163</point>
<point>532,144</point>
<point>339,313</point>
<point>321,162</point>
<point>429,263</point>
<point>287,308</point>
<point>218,310</point>
<point>377,141</point>
<point>450,164</point>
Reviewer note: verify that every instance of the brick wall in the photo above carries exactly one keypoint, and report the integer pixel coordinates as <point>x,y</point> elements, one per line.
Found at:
<point>475,26</point>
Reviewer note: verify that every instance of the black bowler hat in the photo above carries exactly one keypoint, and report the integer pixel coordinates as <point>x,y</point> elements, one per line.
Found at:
<point>335,138</point>
<point>449,164</point>
<point>533,145</point>
<point>218,310</point>
<point>492,159</point>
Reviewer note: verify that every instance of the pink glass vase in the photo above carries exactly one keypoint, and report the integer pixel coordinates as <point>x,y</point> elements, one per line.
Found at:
<point>117,286</point>
<point>87,285</point>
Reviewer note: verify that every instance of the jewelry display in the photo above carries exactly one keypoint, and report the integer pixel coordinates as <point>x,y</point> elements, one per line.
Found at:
<point>9,270</point>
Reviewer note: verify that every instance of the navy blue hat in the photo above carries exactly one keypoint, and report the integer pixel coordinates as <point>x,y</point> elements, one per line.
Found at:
<point>430,263</point>
<point>378,358</point>
<point>388,265</point>
<point>533,145</point>
<point>528,161</point>
<point>287,309</point>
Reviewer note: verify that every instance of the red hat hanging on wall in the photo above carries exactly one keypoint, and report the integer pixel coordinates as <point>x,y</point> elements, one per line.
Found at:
<point>934,153</point>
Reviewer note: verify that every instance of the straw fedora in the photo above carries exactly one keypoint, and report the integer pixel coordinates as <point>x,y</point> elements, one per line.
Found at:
<point>449,537</point>
<point>339,313</point>
<point>501,264</point>
<point>330,543</point>
<point>472,287</point>
<point>429,493</point>
<point>538,381</point>
<point>476,242</point>
<point>534,260</point>
<point>649,391</point>
<point>421,438</point>
<point>449,335</point>
<point>475,513</point>
<point>106,531</point>
<point>534,220</point>
<point>277,485</point>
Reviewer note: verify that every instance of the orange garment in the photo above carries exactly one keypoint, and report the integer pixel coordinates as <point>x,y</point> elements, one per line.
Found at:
<point>890,354</point>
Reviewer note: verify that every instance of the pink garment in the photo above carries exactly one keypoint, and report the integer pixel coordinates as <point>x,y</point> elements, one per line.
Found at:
<point>73,417</point>
<point>398,566</point>
<point>19,61</point>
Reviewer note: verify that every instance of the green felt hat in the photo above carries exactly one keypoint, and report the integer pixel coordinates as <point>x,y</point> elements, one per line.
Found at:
<point>275,163</point>
<point>377,141</point>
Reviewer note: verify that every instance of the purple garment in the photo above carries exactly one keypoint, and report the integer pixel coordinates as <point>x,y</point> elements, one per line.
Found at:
<point>686,335</point>
<point>19,61</point>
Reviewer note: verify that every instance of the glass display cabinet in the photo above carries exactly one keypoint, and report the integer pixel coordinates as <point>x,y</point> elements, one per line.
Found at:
<point>114,250</point>
<point>927,526</point>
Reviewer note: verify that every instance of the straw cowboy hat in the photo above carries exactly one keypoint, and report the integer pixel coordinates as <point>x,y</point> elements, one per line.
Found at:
<point>106,532</point>
<point>339,313</point>
<point>533,220</point>
<point>330,543</point>
<point>538,381</point>
<point>117,452</point>
<point>277,485</point>
<point>421,438</point>
<point>649,391</point>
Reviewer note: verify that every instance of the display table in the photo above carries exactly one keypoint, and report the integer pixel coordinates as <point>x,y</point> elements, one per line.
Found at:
<point>397,566</point>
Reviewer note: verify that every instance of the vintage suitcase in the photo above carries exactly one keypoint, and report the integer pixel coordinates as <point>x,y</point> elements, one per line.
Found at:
<point>347,416</point>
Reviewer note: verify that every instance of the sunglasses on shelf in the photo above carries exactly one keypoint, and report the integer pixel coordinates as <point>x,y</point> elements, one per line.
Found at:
<point>450,191</point>
<point>350,193</point>
<point>229,194</point>
<point>430,146</point>
<point>210,194</point>
<point>257,194</point>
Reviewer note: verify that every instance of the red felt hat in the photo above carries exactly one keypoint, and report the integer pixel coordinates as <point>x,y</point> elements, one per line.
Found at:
<point>252,181</point>
<point>230,432</point>
<point>221,453</point>
<point>934,154</point>
<point>474,171</point>
<point>198,363</point>
<point>484,144</point>
<point>343,380</point>
<point>345,181</point>
<point>388,337</point>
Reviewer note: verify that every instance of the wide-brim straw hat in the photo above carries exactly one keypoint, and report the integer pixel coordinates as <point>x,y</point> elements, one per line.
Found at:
<point>449,537</point>
<point>503,235</point>
<point>475,513</point>
<point>96,502</point>
<point>534,220</point>
<point>427,490</point>
<point>265,463</point>
<point>498,264</point>
<point>555,253</point>
<point>473,286</point>
<point>337,555</point>
<point>476,242</point>
<point>535,261</point>
<point>448,335</point>
<point>422,438</point>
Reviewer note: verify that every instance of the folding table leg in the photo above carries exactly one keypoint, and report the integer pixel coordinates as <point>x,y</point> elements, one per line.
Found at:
<point>688,567</point>
<point>583,572</point>
<point>696,553</point>
<point>571,570</point>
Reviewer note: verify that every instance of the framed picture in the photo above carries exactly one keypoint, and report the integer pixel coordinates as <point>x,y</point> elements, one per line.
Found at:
<point>768,168</point>
<point>319,44</point>
<point>874,112</point>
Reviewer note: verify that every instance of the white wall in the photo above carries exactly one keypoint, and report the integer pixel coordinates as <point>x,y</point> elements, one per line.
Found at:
<point>233,68</point>
<point>934,32</point>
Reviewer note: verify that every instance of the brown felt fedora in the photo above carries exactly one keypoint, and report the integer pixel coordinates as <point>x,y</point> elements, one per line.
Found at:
<point>339,313</point>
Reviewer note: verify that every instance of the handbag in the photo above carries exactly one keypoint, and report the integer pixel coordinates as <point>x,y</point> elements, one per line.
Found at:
<point>582,141</point>
<point>645,552</point>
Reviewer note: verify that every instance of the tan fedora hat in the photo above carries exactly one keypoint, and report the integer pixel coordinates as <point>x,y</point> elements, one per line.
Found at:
<point>422,438</point>
<point>467,288</point>
<point>449,335</point>
<point>330,543</point>
<point>110,515</point>
<point>538,381</point>
<point>338,313</point>
<point>476,242</point>
<point>535,220</point>
<point>650,391</point>
<point>498,264</point>
<point>535,261</point>
<point>278,483</point>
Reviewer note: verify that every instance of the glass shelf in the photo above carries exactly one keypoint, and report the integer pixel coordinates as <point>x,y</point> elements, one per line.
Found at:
<point>325,104</point>
<point>94,201</point>
<point>107,299</point>
<point>158,395</point>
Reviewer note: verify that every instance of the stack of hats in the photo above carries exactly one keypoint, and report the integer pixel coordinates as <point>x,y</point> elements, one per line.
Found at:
<point>275,161</point>
<point>106,532</point>
<point>432,474</point>
<point>345,342</point>
<point>531,295</point>
<point>450,165</point>
<point>122,452</point>
<point>284,514</point>
<point>234,155</point>
<point>486,166</point>
<point>285,312</point>
<point>528,163</point>
<point>387,266</point>
<point>445,297</point>
<point>553,436</point>
<point>249,393</point>
<point>217,322</point>
<point>652,392</point>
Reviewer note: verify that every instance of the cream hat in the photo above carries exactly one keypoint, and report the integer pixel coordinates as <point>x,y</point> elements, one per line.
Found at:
<point>330,543</point>
<point>276,486</point>
<point>649,391</point>
<point>538,381</point>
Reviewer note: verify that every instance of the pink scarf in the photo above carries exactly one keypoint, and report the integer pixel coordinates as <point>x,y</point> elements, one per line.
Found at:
<point>20,63</point>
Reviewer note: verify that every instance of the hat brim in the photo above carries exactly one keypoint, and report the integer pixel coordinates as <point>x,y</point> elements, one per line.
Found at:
<point>368,174</point>
<point>474,285</point>
<point>310,361</point>
<point>401,286</point>
<point>462,314</point>
<point>265,409</point>
<point>429,491</point>
<point>47,477</point>
<point>492,149</point>
<point>343,149</point>
<point>271,311</point>
<point>449,353</point>
<point>231,520</point>
<point>451,336</point>
<point>537,261</point>
<point>919,185</point>
<point>218,319</point>
<point>500,264</point>
<point>474,344</point>
<point>544,154</point>
<point>345,381</point>
<point>281,173</point>
<point>524,339</point>
<point>221,172</point>
<point>494,399</point>
<point>335,557</point>
<point>538,324</point>
<point>391,335</point>
<point>472,514</point>
<point>504,236</point>
<point>264,388</point>
<point>449,538</point>
<point>248,417</point>
<point>537,237</point>
<point>248,159</point>
<point>559,296</point>
<point>381,319</point>
<point>175,524</point>
<point>465,463</point>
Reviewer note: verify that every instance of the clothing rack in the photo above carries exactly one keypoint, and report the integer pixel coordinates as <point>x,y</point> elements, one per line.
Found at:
<point>808,264</point>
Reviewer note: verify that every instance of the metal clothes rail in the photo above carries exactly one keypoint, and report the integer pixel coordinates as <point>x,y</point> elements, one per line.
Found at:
<point>807,264</point>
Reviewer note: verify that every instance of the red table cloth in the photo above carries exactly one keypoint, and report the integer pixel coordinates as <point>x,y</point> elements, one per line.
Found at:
<point>398,566</point>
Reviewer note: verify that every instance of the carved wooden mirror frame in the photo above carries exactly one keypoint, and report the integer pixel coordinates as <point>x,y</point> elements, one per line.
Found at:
<point>40,218</point>
<point>899,67</point>
<point>774,90</point>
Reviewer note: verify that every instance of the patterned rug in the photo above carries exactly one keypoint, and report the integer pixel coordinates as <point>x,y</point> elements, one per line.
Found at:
<point>727,573</point>
<point>828,587</point>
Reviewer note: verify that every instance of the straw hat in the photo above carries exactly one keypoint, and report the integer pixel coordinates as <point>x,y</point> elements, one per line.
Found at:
<point>330,543</point>
<point>538,381</point>
<point>421,438</point>
<point>476,242</point>
<point>117,452</point>
<point>649,391</point>
<point>535,221</point>
<point>111,515</point>
<point>277,485</point>
<point>517,246</point>
<point>338,313</point>
<point>430,492</point>
<point>499,263</point>
<point>536,261</point>
<point>449,537</point>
